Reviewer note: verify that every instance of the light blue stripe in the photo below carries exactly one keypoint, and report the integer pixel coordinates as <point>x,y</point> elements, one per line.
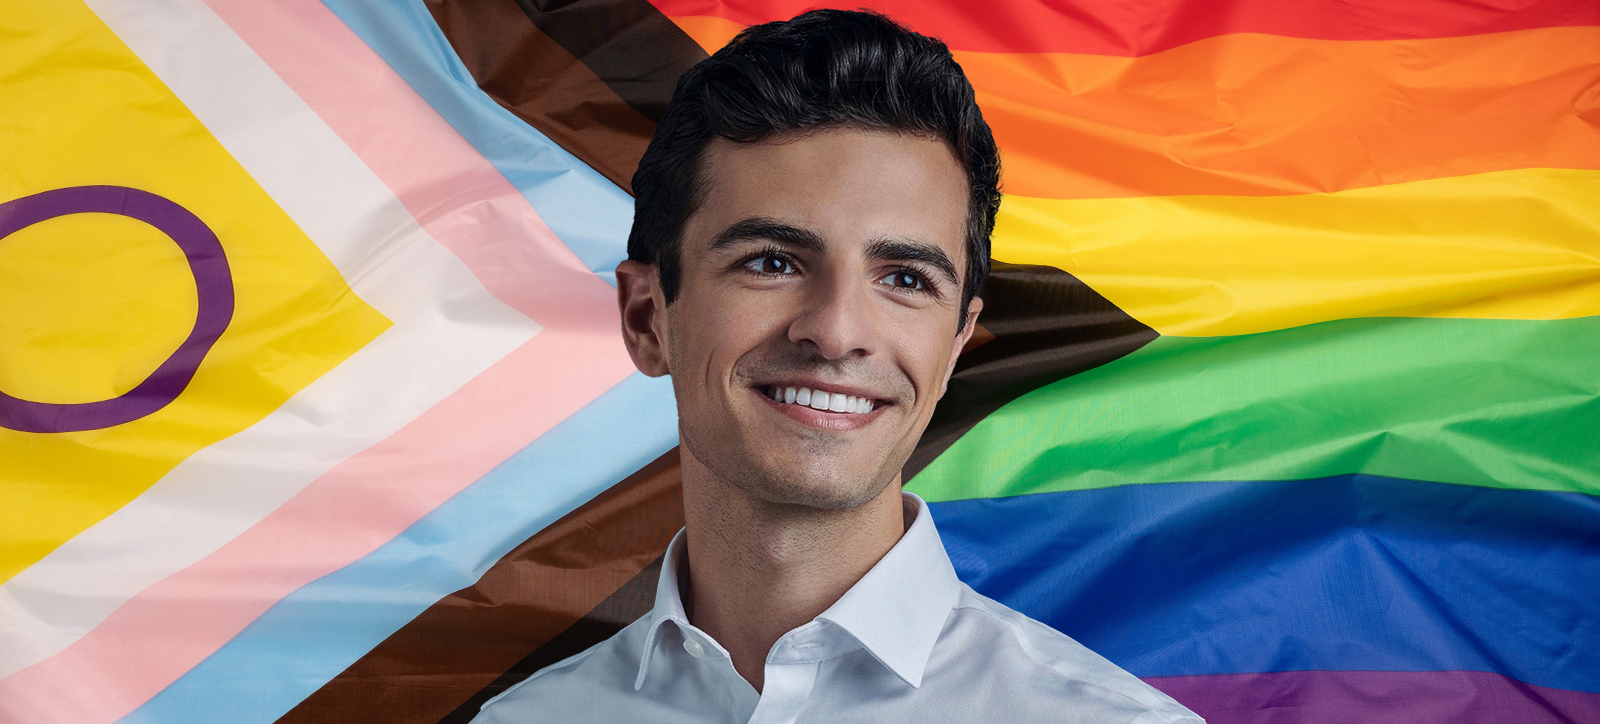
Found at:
<point>588,212</point>
<point>316,632</point>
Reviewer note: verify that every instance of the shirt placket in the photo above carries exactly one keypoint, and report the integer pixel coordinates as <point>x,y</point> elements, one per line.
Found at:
<point>791,674</point>
<point>741,696</point>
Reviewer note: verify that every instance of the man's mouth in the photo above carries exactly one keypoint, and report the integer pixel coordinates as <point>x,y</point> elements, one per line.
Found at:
<point>819,399</point>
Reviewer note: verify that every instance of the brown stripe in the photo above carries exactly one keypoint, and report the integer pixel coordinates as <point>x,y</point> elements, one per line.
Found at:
<point>467,641</point>
<point>1046,325</point>
<point>629,44</point>
<point>634,599</point>
<point>539,80</point>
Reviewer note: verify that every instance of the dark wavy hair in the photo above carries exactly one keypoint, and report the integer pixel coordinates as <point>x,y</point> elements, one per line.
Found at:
<point>822,69</point>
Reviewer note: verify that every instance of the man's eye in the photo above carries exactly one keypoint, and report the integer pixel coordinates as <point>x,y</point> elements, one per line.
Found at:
<point>768,264</point>
<point>905,280</point>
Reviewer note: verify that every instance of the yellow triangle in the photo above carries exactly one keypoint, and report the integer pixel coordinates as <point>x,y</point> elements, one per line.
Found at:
<point>92,303</point>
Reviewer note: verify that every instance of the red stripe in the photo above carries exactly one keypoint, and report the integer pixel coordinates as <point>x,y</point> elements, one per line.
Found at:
<point>1141,27</point>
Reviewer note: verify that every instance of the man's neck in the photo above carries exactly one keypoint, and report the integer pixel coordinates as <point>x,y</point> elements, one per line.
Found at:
<point>758,570</point>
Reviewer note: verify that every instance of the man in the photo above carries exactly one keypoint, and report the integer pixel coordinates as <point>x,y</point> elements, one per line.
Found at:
<point>813,220</point>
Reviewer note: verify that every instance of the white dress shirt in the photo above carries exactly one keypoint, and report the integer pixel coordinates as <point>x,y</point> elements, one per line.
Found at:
<point>909,642</point>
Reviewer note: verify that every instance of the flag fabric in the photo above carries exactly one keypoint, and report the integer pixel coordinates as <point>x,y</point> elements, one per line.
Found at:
<point>1285,397</point>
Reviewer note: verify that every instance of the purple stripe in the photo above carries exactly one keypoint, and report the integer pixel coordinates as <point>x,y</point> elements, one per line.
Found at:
<point>1377,697</point>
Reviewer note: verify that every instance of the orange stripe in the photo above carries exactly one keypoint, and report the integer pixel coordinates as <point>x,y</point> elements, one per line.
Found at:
<point>708,31</point>
<point>1260,115</point>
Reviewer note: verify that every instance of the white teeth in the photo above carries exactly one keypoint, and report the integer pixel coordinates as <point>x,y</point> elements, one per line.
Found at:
<point>819,400</point>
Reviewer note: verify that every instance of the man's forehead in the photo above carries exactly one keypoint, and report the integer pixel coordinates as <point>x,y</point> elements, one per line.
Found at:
<point>825,148</point>
<point>840,184</point>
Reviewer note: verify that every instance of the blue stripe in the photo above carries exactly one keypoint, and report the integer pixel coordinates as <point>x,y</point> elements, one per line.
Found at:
<point>316,632</point>
<point>1354,572</point>
<point>588,212</point>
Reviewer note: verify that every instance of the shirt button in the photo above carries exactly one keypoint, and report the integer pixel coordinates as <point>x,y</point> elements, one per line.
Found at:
<point>694,648</point>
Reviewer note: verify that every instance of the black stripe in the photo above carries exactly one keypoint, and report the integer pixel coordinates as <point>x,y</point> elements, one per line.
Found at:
<point>1047,325</point>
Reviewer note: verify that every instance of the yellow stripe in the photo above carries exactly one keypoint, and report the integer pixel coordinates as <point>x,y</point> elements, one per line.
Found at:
<point>1522,244</point>
<point>90,304</point>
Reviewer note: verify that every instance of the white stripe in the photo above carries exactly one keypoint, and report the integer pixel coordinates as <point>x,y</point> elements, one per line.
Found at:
<point>447,329</point>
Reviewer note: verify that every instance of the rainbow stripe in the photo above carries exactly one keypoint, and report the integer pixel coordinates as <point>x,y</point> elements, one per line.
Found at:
<point>1355,476</point>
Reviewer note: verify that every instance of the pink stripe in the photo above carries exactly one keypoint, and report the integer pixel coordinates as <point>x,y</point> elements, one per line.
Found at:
<point>1377,697</point>
<point>464,203</point>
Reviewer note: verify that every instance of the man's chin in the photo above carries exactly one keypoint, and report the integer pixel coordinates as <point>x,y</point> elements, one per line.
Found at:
<point>786,466</point>
<point>807,491</point>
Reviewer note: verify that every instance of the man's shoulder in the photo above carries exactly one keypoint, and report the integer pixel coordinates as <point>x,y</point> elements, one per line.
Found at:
<point>1050,667</point>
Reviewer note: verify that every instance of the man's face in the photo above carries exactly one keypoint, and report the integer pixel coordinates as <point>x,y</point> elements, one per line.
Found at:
<point>828,263</point>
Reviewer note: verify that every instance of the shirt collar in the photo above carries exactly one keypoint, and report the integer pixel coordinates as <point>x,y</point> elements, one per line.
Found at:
<point>896,611</point>
<point>669,603</point>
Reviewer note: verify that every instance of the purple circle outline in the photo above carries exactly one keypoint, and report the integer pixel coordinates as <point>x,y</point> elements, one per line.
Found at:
<point>213,282</point>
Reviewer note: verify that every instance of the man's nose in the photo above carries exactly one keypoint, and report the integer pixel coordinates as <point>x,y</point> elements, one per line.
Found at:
<point>838,317</point>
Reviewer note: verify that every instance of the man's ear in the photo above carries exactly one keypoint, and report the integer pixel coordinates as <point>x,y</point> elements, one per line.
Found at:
<point>644,316</point>
<point>968,326</point>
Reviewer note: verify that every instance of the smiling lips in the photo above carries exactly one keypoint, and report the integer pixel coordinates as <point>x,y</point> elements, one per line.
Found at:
<point>819,400</point>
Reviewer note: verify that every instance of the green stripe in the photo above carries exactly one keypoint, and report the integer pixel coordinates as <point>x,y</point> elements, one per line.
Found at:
<point>1496,403</point>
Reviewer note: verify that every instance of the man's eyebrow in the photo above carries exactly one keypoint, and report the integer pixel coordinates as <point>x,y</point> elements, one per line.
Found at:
<point>758,228</point>
<point>912,250</point>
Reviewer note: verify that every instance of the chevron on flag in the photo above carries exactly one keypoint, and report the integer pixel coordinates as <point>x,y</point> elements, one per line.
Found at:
<point>1285,397</point>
